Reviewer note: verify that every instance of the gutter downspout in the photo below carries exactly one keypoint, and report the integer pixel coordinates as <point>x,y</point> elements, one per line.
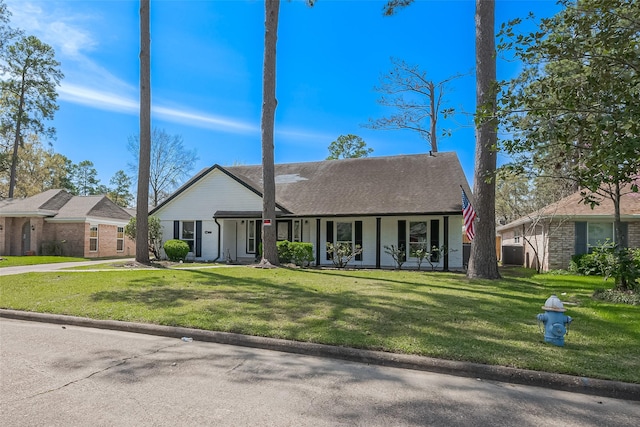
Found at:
<point>219,229</point>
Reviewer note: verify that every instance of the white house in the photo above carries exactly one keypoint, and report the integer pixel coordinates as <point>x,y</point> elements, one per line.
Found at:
<point>373,202</point>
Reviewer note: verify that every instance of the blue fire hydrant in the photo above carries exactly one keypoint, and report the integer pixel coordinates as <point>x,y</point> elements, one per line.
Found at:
<point>555,322</point>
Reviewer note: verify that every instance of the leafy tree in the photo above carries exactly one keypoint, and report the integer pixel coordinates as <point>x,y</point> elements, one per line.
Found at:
<point>144,157</point>
<point>38,169</point>
<point>154,239</point>
<point>348,147</point>
<point>574,108</point>
<point>120,193</point>
<point>7,34</point>
<point>483,262</point>
<point>416,100</point>
<point>29,96</point>
<point>170,163</point>
<point>84,178</point>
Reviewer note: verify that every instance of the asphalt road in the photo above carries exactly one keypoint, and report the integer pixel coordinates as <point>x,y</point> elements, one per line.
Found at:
<point>58,375</point>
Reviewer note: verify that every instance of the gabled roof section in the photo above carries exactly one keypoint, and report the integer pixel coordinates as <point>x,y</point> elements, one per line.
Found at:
<point>61,205</point>
<point>244,181</point>
<point>406,184</point>
<point>43,204</point>
<point>91,206</point>
<point>573,206</point>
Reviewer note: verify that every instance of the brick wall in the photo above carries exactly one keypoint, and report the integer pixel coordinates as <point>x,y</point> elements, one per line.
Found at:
<point>562,244</point>
<point>107,242</point>
<point>634,234</point>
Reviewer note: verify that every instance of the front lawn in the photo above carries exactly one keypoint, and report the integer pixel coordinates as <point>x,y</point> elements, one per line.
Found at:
<point>15,261</point>
<point>433,314</point>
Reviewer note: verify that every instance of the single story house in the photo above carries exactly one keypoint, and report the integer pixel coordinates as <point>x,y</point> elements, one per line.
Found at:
<point>56,222</point>
<point>548,238</point>
<point>372,202</point>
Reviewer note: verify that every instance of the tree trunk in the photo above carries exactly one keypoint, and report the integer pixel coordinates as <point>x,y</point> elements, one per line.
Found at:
<point>142,213</point>
<point>621,281</point>
<point>16,142</point>
<point>269,103</point>
<point>434,118</point>
<point>483,262</point>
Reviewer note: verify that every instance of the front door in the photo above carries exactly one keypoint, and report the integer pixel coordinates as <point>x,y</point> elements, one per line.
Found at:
<point>26,237</point>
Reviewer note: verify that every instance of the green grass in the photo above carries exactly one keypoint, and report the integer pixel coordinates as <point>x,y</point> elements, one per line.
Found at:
<point>15,261</point>
<point>433,314</point>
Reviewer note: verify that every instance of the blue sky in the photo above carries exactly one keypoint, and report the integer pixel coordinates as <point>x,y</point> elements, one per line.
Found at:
<point>206,65</point>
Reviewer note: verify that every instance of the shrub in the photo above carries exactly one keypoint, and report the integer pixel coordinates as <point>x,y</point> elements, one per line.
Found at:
<point>301,253</point>
<point>342,253</point>
<point>617,296</point>
<point>284,251</point>
<point>398,254</point>
<point>176,250</point>
<point>622,265</point>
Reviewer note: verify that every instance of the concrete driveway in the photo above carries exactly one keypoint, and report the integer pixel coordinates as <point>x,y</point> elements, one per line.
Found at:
<point>41,268</point>
<point>56,375</point>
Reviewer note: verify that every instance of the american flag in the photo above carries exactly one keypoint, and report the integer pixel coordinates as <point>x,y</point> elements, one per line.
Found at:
<point>468,215</point>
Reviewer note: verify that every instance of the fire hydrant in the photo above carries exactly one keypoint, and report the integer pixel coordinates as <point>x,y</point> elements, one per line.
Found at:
<point>555,322</point>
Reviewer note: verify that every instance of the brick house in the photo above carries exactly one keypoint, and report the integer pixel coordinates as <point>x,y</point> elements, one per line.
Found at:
<point>56,222</point>
<point>549,237</point>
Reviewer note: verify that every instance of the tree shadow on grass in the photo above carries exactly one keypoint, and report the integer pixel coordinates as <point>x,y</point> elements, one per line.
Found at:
<point>405,318</point>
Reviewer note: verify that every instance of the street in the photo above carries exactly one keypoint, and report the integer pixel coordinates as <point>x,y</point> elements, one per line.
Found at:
<point>58,375</point>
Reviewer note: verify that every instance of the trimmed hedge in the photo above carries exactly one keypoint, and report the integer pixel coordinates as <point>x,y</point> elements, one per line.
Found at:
<point>176,250</point>
<point>300,253</point>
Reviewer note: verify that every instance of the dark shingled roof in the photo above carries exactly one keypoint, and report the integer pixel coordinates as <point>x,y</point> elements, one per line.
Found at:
<point>62,205</point>
<point>406,184</point>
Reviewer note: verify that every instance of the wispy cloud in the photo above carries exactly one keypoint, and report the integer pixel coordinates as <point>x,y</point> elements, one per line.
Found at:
<point>88,83</point>
<point>110,101</point>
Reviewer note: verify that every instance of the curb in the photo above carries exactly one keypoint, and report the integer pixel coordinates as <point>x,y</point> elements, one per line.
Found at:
<point>591,386</point>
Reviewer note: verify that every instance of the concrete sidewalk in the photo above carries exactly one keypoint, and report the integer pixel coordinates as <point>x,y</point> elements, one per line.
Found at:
<point>615,389</point>
<point>43,268</point>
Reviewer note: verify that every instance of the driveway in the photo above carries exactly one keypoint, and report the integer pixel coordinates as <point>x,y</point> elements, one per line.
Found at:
<point>42,268</point>
<point>54,374</point>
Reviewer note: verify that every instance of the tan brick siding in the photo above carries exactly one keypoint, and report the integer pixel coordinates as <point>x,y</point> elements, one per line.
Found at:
<point>634,234</point>
<point>562,244</point>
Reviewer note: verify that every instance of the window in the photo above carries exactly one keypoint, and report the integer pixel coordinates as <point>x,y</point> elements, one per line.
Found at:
<point>516,236</point>
<point>93,238</point>
<point>297,231</point>
<point>344,233</point>
<point>282,229</point>
<point>120,239</point>
<point>251,236</point>
<point>598,233</point>
<point>417,237</point>
<point>188,233</point>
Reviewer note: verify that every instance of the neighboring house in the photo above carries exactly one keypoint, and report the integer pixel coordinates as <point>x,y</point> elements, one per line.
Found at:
<point>56,222</point>
<point>372,202</point>
<point>549,237</point>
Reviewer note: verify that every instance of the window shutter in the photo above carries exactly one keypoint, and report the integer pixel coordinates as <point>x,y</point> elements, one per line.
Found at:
<point>198,238</point>
<point>581,238</point>
<point>259,237</point>
<point>329,237</point>
<point>402,237</point>
<point>435,240</point>
<point>624,235</point>
<point>176,229</point>
<point>358,238</point>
